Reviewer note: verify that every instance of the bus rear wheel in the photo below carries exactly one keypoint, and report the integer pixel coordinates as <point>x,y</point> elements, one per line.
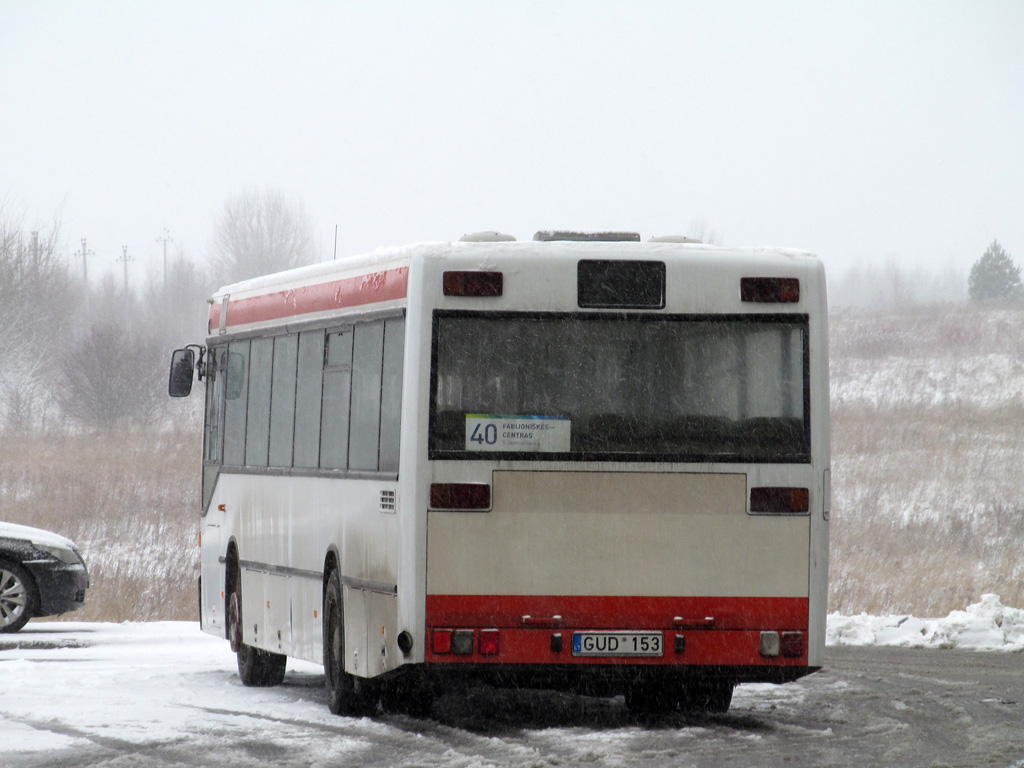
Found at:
<point>713,695</point>
<point>256,668</point>
<point>406,696</point>
<point>647,697</point>
<point>346,694</point>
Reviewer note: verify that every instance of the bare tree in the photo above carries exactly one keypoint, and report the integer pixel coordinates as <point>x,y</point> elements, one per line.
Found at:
<point>260,232</point>
<point>112,376</point>
<point>38,307</point>
<point>701,229</point>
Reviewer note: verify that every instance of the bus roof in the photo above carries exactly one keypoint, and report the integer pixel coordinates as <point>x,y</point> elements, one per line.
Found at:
<point>380,277</point>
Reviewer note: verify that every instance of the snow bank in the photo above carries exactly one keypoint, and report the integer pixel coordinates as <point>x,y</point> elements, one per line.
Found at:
<point>987,625</point>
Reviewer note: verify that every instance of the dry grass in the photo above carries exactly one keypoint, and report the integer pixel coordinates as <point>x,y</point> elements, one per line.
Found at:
<point>129,499</point>
<point>928,513</point>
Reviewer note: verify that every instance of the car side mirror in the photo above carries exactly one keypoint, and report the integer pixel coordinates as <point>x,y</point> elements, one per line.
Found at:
<point>180,381</point>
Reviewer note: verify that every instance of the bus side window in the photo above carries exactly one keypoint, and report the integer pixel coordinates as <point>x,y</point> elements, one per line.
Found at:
<point>337,388</point>
<point>282,400</point>
<point>391,394</point>
<point>214,404</point>
<point>235,407</point>
<point>216,363</point>
<point>367,357</point>
<point>308,394</point>
<point>257,432</point>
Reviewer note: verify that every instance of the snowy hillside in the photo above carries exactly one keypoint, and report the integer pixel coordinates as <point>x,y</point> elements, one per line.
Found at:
<point>937,356</point>
<point>927,410</point>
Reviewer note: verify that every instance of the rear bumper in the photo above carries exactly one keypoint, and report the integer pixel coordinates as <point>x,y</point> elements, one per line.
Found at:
<point>717,636</point>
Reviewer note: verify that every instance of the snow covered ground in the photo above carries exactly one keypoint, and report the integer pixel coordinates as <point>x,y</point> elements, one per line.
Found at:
<point>170,695</point>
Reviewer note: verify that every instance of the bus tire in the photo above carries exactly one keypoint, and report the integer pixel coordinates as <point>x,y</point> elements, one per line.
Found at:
<point>647,697</point>
<point>346,694</point>
<point>256,668</point>
<point>414,698</point>
<point>713,695</point>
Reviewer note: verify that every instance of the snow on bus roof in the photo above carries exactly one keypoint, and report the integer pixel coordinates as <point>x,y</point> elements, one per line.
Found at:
<point>781,251</point>
<point>357,263</point>
<point>392,255</point>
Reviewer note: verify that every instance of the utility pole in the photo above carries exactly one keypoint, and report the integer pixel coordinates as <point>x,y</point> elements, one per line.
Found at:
<point>165,240</point>
<point>125,258</point>
<point>85,254</point>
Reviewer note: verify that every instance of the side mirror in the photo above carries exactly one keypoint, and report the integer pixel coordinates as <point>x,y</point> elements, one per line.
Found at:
<point>182,364</point>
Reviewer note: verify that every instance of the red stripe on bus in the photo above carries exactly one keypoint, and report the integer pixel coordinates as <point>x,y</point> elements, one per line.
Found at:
<point>372,288</point>
<point>618,612</point>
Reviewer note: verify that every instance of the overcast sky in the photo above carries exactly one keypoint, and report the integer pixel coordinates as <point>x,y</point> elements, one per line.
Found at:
<point>862,131</point>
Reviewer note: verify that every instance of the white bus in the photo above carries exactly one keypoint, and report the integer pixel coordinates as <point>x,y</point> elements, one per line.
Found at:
<point>583,462</point>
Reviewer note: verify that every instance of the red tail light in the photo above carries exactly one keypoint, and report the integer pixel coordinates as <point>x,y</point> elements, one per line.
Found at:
<point>770,290</point>
<point>780,500</point>
<point>460,496</point>
<point>488,642</point>
<point>467,283</point>
<point>442,641</point>
<point>793,644</point>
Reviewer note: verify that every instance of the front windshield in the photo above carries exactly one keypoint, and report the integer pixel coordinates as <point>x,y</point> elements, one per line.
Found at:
<point>638,387</point>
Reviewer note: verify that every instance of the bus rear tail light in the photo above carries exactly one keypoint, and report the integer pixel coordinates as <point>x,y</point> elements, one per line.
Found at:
<point>770,290</point>
<point>788,644</point>
<point>441,641</point>
<point>462,642</point>
<point>472,283</point>
<point>793,644</point>
<point>460,496</point>
<point>489,642</point>
<point>780,500</point>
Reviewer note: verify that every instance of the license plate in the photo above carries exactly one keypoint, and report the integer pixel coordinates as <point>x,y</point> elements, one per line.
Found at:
<point>617,644</point>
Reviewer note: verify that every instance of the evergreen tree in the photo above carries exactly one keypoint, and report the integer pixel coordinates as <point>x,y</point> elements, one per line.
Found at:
<point>994,276</point>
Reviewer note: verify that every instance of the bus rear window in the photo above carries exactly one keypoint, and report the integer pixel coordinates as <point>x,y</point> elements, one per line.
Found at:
<point>620,387</point>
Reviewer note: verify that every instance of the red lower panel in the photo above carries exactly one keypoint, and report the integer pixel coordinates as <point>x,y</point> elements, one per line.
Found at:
<point>587,612</point>
<point>716,631</point>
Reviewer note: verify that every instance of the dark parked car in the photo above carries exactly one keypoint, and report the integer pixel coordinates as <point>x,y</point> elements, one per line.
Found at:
<point>41,574</point>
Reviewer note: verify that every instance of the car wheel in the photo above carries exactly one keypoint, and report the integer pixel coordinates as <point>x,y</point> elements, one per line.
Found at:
<point>256,668</point>
<point>18,598</point>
